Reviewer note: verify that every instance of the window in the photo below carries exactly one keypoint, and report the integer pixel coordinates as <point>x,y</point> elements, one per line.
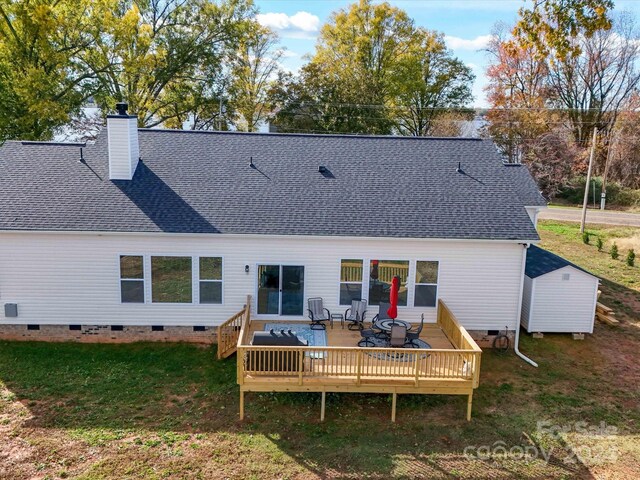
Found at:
<point>171,280</point>
<point>426,291</point>
<point>381,273</point>
<point>350,281</point>
<point>210,280</point>
<point>131,279</point>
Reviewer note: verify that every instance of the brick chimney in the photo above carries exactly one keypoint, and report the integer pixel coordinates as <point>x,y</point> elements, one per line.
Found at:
<point>124,152</point>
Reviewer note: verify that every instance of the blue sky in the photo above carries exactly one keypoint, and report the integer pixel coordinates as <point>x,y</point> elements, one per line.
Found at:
<point>466,24</point>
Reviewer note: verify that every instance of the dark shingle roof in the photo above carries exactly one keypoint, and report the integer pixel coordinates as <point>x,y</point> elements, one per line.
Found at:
<point>525,185</point>
<point>541,262</point>
<point>201,182</point>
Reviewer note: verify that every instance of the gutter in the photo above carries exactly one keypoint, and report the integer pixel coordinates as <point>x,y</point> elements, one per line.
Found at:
<point>518,326</point>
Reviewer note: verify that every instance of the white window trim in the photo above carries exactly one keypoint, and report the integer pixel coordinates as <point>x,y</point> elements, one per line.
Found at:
<point>256,279</point>
<point>415,284</point>
<point>196,272</point>
<point>409,279</point>
<point>361,282</point>
<point>143,279</point>
<point>148,280</point>
<point>175,255</point>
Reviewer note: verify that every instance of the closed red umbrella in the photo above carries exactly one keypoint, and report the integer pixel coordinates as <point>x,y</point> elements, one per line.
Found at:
<point>393,298</point>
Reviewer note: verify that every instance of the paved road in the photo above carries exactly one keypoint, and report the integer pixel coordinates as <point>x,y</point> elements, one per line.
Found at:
<point>593,216</point>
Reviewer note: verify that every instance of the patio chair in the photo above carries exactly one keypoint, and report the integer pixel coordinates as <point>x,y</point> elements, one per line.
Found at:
<point>413,335</point>
<point>318,314</point>
<point>367,334</point>
<point>381,315</point>
<point>398,336</point>
<point>355,314</point>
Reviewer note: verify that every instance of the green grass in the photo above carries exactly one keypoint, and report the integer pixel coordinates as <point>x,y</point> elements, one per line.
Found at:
<point>170,410</point>
<point>620,282</point>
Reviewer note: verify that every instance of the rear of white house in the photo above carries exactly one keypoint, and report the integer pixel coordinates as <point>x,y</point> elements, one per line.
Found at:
<point>181,235</point>
<point>64,279</point>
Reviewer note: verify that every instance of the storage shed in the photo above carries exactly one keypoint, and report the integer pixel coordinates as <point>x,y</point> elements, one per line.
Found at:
<point>558,296</point>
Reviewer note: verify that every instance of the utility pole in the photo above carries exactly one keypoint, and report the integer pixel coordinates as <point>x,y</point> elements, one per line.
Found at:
<point>586,186</point>
<point>603,195</point>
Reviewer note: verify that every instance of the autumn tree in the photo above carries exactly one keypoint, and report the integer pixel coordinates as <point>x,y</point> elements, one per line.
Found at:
<point>163,57</point>
<point>433,86</point>
<point>374,72</point>
<point>518,93</point>
<point>549,26</point>
<point>40,82</point>
<point>356,56</point>
<point>253,68</point>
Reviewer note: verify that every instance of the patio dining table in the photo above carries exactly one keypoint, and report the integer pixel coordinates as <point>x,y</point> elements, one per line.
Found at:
<point>387,323</point>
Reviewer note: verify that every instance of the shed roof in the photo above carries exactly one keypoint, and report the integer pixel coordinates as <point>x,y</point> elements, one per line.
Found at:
<point>541,261</point>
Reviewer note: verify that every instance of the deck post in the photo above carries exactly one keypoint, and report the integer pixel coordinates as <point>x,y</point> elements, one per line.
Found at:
<point>469,403</point>
<point>241,404</point>
<point>394,399</point>
<point>322,405</point>
<point>358,366</point>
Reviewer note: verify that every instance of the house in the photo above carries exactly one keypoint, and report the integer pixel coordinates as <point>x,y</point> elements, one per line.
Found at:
<point>162,234</point>
<point>172,235</point>
<point>559,296</point>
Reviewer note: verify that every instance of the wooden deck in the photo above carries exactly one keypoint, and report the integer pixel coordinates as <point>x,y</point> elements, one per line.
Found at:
<point>450,366</point>
<point>339,337</point>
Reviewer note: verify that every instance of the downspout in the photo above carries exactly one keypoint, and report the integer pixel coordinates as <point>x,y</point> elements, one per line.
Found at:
<point>518,326</point>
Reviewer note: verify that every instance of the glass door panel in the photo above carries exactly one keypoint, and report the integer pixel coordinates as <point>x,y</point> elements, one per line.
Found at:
<point>292,290</point>
<point>268,289</point>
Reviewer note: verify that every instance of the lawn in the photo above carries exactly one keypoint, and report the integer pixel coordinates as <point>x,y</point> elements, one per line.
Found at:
<point>170,410</point>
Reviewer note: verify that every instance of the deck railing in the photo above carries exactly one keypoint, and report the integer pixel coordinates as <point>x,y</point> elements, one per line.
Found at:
<point>230,333</point>
<point>357,364</point>
<point>458,336</point>
<point>361,365</point>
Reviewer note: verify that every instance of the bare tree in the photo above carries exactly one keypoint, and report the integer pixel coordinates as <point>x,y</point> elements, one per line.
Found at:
<point>594,85</point>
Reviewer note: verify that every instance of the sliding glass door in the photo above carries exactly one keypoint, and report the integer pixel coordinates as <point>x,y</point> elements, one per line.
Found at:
<point>280,290</point>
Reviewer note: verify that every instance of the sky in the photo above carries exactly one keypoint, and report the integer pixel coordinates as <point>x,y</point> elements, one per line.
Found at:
<point>466,24</point>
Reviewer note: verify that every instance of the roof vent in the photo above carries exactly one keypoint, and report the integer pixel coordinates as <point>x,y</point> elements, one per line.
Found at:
<point>322,169</point>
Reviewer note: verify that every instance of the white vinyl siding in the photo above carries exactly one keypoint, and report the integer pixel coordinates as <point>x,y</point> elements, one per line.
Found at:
<point>123,147</point>
<point>561,306</point>
<point>74,278</point>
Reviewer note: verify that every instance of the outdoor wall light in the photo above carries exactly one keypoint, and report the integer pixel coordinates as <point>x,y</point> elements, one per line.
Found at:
<point>246,269</point>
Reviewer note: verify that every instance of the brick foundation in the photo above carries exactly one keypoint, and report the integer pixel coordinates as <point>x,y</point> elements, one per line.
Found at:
<point>139,333</point>
<point>104,334</point>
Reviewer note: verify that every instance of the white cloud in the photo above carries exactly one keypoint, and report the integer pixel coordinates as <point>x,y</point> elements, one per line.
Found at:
<point>478,43</point>
<point>300,25</point>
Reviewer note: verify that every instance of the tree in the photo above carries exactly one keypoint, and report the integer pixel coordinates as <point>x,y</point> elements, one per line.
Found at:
<point>374,72</point>
<point>40,83</point>
<point>551,25</point>
<point>594,85</point>
<point>518,93</point>
<point>254,65</point>
<point>551,159</point>
<point>164,57</point>
<point>432,83</point>
<point>356,57</point>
